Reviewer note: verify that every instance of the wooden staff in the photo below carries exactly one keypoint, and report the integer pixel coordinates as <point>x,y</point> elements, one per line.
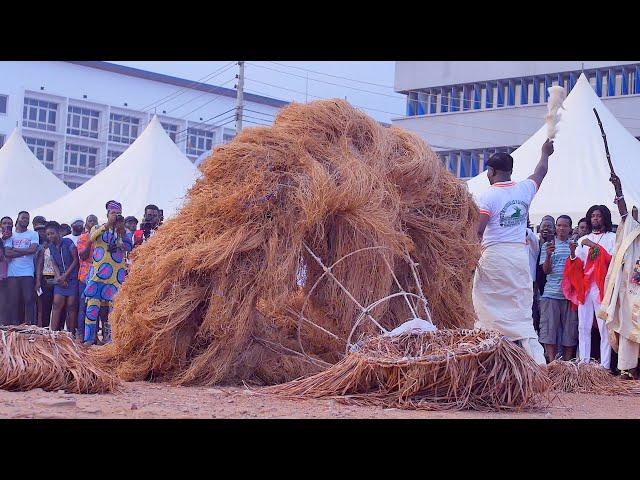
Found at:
<point>606,146</point>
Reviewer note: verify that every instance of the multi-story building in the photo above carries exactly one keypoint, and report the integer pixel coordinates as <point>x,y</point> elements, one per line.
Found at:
<point>77,117</point>
<point>468,110</point>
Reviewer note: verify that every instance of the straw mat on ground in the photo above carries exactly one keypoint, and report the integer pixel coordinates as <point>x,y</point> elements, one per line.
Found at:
<point>445,369</point>
<point>33,357</point>
<point>583,377</point>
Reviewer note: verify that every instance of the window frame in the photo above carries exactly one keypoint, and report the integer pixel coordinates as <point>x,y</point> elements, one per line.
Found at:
<point>73,157</point>
<point>35,105</point>
<point>80,116</point>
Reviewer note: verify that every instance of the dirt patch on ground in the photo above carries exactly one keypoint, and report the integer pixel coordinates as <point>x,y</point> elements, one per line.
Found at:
<point>146,400</point>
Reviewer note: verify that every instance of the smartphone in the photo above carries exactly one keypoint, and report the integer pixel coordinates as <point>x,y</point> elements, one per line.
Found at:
<point>39,291</point>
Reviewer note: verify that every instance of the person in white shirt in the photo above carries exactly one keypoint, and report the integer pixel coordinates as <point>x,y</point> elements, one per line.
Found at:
<point>584,257</point>
<point>21,249</point>
<point>502,284</point>
<point>77,228</point>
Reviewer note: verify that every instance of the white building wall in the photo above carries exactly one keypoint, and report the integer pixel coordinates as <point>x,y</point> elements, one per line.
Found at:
<point>475,134</point>
<point>415,75</point>
<point>109,92</point>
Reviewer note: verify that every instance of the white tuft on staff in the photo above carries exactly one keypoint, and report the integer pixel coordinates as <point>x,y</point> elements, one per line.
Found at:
<point>557,96</point>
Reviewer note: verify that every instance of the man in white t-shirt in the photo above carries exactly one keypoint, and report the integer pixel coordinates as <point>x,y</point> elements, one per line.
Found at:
<point>21,249</point>
<point>502,285</point>
<point>77,228</point>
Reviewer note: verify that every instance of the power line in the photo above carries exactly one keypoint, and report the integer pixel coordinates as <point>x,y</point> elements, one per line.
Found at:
<point>107,127</point>
<point>205,128</point>
<point>320,98</point>
<point>397,96</point>
<point>261,113</point>
<point>196,82</point>
<point>334,76</point>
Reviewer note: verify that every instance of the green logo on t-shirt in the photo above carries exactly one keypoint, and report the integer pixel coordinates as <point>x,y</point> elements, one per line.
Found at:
<point>513,213</point>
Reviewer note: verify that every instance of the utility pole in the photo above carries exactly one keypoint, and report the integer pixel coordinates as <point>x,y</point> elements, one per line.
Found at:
<point>239,100</point>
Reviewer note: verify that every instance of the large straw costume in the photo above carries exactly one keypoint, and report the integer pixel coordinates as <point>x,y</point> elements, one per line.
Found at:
<point>214,295</point>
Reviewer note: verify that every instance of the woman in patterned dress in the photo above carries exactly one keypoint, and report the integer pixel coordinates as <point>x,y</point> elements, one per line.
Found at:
<point>111,243</point>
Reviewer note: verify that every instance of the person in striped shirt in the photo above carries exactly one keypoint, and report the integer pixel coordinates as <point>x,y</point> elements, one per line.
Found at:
<point>557,317</point>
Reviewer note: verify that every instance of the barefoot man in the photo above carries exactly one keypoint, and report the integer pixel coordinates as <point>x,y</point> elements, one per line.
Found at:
<point>502,285</point>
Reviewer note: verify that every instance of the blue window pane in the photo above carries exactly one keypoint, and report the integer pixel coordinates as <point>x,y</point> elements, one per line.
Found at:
<point>511,99</point>
<point>476,97</point>
<point>420,103</point>
<point>624,87</point>
<point>500,89</point>
<point>572,81</point>
<point>489,98</point>
<point>464,172</point>
<point>524,92</point>
<point>536,90</point>
<point>611,83</point>
<point>444,101</point>
<point>547,84</point>
<point>598,83</point>
<point>433,102</point>
<point>636,80</point>
<point>475,160</point>
<point>454,99</point>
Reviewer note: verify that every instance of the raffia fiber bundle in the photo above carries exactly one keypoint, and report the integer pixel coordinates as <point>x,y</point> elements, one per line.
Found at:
<point>34,357</point>
<point>212,296</point>
<point>588,377</point>
<point>442,370</point>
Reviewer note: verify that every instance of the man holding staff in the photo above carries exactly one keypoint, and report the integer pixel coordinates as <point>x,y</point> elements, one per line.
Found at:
<point>502,286</point>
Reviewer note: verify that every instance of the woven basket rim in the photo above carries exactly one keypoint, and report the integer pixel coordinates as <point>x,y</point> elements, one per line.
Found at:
<point>488,343</point>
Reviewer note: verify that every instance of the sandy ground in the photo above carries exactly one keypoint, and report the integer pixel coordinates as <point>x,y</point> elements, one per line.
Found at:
<point>145,400</point>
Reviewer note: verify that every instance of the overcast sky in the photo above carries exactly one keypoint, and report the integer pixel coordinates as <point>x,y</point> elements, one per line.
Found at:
<point>367,85</point>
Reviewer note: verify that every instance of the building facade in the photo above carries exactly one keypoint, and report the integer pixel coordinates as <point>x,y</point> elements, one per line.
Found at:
<point>469,110</point>
<point>77,117</point>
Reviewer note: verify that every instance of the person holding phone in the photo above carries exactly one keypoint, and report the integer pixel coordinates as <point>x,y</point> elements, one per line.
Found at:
<point>111,242</point>
<point>152,219</point>
<point>557,317</point>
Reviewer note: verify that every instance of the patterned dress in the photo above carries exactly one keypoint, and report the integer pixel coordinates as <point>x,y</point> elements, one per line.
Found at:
<point>106,275</point>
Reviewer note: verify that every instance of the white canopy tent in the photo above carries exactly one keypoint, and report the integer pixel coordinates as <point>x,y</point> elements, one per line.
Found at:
<point>578,175</point>
<point>25,183</point>
<point>152,170</point>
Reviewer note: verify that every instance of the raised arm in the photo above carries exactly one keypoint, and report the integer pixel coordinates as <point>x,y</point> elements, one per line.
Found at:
<point>543,165</point>
<point>97,231</point>
<point>619,200</point>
